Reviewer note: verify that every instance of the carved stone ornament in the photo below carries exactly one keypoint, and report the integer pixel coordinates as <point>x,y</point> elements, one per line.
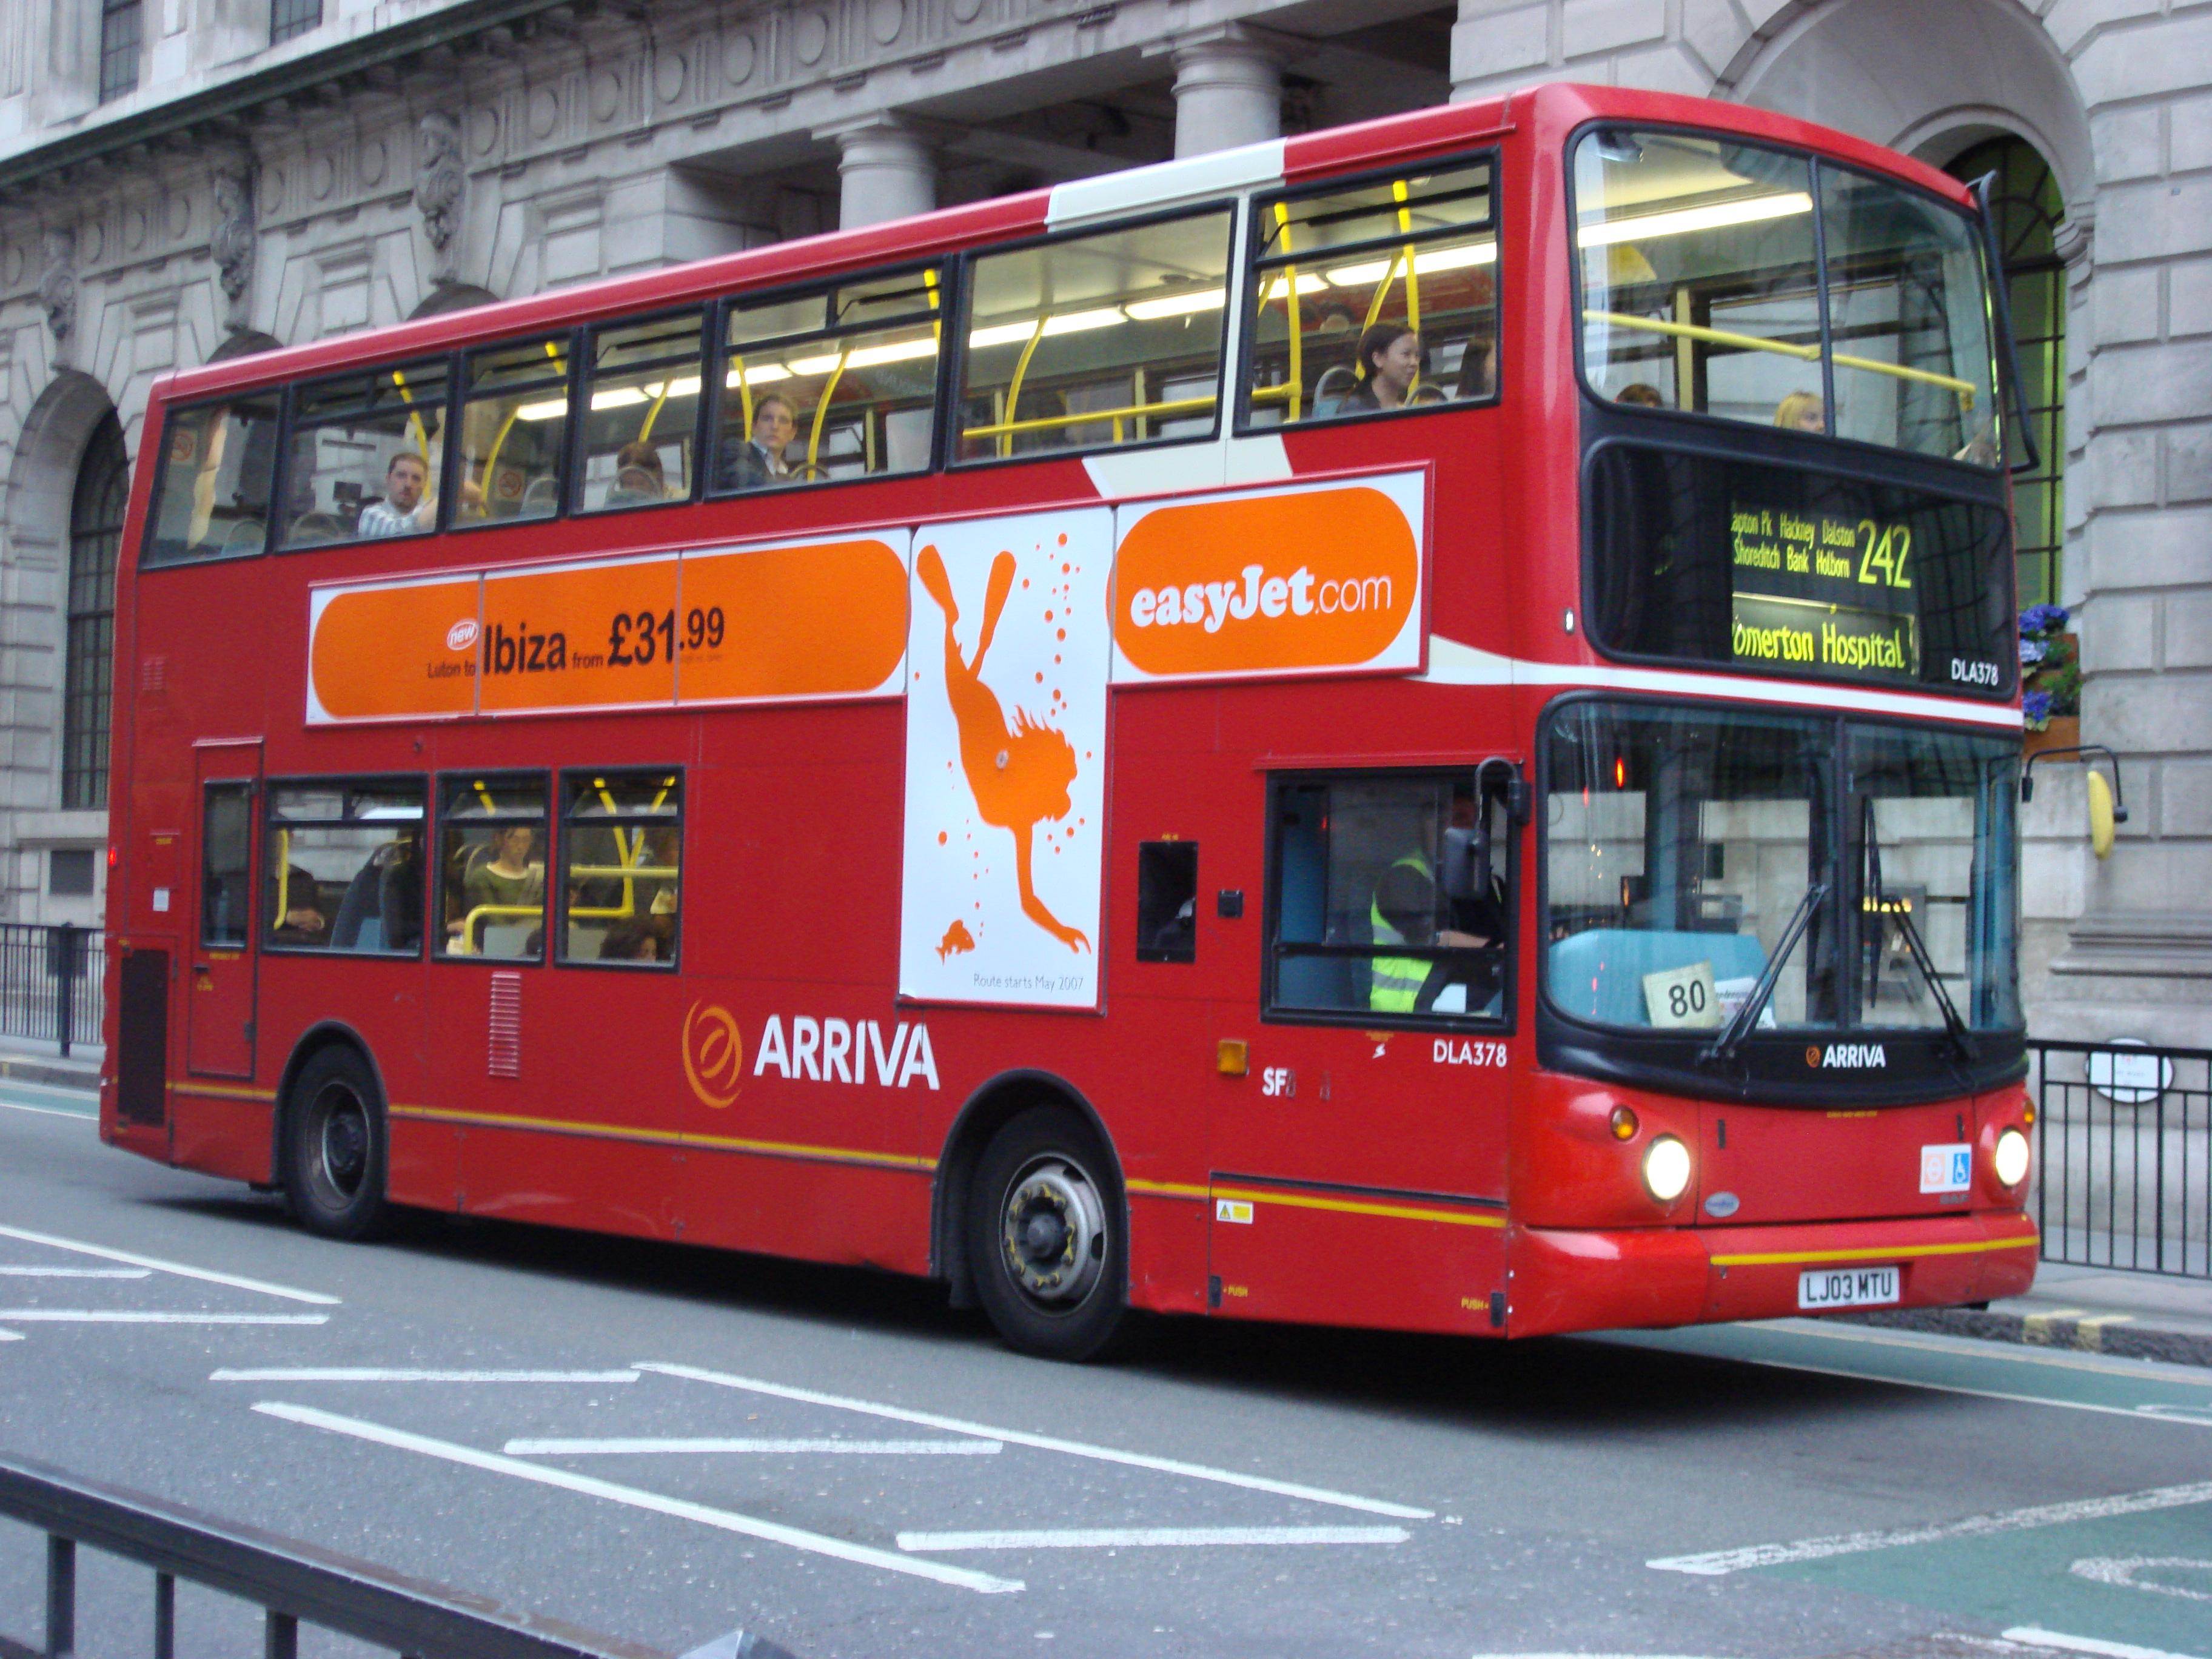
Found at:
<point>440,183</point>
<point>57,285</point>
<point>232,241</point>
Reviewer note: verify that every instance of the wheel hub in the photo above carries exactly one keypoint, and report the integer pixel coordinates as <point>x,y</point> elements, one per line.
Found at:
<point>1054,1232</point>
<point>345,1143</point>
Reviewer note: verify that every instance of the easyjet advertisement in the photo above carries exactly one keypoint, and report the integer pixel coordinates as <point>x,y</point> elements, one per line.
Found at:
<point>1312,578</point>
<point>773,624</point>
<point>1007,661</point>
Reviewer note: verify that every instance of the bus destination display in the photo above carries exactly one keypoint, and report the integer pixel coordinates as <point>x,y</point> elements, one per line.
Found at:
<point>1822,591</point>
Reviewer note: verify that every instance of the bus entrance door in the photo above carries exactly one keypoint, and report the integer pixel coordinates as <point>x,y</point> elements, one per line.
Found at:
<point>219,1005</point>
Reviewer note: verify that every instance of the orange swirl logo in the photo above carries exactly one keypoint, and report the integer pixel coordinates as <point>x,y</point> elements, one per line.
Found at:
<point>714,1053</point>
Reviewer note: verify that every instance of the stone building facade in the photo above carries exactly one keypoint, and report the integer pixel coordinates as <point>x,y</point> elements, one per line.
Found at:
<point>181,180</point>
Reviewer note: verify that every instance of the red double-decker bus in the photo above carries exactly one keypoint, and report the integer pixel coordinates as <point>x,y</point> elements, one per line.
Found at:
<point>1412,726</point>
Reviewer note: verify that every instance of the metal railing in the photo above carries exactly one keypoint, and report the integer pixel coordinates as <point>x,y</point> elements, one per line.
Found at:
<point>292,1583</point>
<point>50,982</point>
<point>2124,1156</point>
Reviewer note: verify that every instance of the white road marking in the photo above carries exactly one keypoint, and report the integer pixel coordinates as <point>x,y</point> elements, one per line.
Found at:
<point>77,1273</point>
<point>131,1259</point>
<point>2121,1570</point>
<point>728,1519</point>
<point>385,1374</point>
<point>11,1336</point>
<point>2051,1638</point>
<point>126,1317</point>
<point>1714,1563</point>
<point>1128,1538</point>
<point>2065,1359</point>
<point>850,1448</point>
<point>1045,1442</point>
<point>50,1111</point>
<point>2140,1414</point>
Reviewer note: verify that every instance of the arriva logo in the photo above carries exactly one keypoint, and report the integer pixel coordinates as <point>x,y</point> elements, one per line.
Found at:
<point>1339,587</point>
<point>714,1053</point>
<point>842,1051</point>
<point>462,635</point>
<point>1848,1056</point>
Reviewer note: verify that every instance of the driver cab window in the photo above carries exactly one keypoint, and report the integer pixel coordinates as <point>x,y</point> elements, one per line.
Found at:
<point>1390,897</point>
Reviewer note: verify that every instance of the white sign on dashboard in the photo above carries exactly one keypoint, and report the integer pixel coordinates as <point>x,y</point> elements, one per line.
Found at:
<point>1682,998</point>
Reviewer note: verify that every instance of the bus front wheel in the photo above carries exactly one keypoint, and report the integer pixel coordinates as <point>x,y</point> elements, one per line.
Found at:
<point>334,1147</point>
<point>1047,1237</point>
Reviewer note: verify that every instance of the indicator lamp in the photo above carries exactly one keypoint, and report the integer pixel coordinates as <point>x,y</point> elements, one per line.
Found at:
<point>2010,1159</point>
<point>1667,1168</point>
<point>1624,1124</point>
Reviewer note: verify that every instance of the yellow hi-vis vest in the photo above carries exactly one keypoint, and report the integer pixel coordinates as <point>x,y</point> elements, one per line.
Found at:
<point>1393,984</point>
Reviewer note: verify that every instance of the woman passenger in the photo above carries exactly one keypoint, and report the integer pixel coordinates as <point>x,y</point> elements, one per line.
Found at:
<point>1389,362</point>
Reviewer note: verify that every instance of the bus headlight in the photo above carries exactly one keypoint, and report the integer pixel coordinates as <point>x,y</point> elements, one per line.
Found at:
<point>2011,1159</point>
<point>1667,1168</point>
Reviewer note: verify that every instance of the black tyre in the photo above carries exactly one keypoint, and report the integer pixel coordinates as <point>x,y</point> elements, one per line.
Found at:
<point>334,1147</point>
<point>1046,1236</point>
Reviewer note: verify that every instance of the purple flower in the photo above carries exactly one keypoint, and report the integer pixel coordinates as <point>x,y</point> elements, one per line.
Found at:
<point>2040,619</point>
<point>2036,706</point>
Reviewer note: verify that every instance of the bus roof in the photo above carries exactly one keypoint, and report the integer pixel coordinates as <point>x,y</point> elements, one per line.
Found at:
<point>1554,109</point>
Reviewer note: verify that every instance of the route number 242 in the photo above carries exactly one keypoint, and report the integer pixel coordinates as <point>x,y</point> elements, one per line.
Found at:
<point>1883,553</point>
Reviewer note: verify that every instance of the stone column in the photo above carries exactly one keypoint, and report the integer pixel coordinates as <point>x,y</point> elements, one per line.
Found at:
<point>1228,90</point>
<point>886,169</point>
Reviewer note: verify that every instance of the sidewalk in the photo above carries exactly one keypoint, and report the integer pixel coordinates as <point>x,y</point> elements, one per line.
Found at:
<point>23,1060</point>
<point>2137,1315</point>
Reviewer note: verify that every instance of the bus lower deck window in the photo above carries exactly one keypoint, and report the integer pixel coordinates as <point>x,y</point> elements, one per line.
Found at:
<point>342,868</point>
<point>621,858</point>
<point>491,866</point>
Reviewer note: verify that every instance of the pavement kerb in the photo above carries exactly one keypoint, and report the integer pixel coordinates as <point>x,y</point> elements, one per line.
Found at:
<point>2130,1341</point>
<point>51,1070</point>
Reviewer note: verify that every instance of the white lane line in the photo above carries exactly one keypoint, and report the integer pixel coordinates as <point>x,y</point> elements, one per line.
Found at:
<point>2066,1359</point>
<point>2035,1636</point>
<point>77,1273</point>
<point>1137,1538</point>
<point>386,1374</point>
<point>11,1336</point>
<point>667,1447</point>
<point>1045,1442</point>
<point>131,1259</point>
<point>1714,1563</point>
<point>728,1519</point>
<point>50,1111</point>
<point>125,1316</point>
<point>2138,1414</point>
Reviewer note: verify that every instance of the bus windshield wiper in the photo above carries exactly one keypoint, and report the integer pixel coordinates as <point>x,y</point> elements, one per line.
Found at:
<point>1961,1038</point>
<point>1724,1046</point>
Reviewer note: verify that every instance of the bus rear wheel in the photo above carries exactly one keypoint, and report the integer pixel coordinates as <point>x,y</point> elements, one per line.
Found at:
<point>1047,1237</point>
<point>334,1147</point>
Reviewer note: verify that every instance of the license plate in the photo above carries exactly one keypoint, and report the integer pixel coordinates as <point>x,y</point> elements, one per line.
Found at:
<point>1846,1287</point>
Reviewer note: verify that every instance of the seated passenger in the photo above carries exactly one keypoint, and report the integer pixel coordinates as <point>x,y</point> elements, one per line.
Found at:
<point>1389,360</point>
<point>408,507</point>
<point>1477,370</point>
<point>1641,395</point>
<point>293,904</point>
<point>639,480</point>
<point>758,461</point>
<point>506,879</point>
<point>1801,412</point>
<point>630,941</point>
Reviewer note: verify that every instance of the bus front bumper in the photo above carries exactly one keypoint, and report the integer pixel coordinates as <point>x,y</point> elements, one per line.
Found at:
<point>1569,1280</point>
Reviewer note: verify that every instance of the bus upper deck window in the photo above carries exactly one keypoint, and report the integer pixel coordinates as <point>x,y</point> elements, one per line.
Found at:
<point>839,383</point>
<point>513,431</point>
<point>641,413</point>
<point>367,450</point>
<point>622,865</point>
<point>491,866</point>
<point>1697,276</point>
<point>1375,296</point>
<point>1093,341</point>
<point>218,460</point>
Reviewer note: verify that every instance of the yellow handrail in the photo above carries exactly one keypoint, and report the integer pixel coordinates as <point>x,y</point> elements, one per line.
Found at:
<point>468,923</point>
<point>1296,317</point>
<point>1004,430</point>
<point>414,420</point>
<point>745,392</point>
<point>822,408</point>
<point>1965,389</point>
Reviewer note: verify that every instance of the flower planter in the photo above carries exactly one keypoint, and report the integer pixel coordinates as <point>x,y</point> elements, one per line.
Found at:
<point>2064,732</point>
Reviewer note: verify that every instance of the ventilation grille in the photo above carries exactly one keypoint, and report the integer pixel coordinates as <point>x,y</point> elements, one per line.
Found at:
<point>505,1047</point>
<point>153,674</point>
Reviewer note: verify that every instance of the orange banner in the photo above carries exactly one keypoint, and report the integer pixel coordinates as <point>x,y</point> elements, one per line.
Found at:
<point>792,622</point>
<point>386,652</point>
<point>580,637</point>
<point>1276,582</point>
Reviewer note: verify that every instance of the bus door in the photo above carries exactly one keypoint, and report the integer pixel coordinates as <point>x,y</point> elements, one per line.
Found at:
<point>1358,1166</point>
<point>220,1004</point>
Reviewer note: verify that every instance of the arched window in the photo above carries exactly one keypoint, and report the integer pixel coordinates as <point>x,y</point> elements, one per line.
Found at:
<point>103,490</point>
<point>2027,207</point>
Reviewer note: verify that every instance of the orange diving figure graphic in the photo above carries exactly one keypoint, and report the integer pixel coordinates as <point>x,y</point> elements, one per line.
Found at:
<point>1020,775</point>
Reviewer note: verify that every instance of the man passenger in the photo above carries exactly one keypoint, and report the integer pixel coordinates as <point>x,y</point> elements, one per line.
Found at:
<point>759,460</point>
<point>409,507</point>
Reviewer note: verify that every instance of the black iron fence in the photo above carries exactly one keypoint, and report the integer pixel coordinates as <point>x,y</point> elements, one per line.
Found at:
<point>292,1584</point>
<point>2124,1155</point>
<point>51,981</point>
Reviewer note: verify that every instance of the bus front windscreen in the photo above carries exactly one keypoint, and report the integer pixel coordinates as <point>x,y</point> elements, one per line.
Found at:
<point>1709,269</point>
<point>1848,880</point>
